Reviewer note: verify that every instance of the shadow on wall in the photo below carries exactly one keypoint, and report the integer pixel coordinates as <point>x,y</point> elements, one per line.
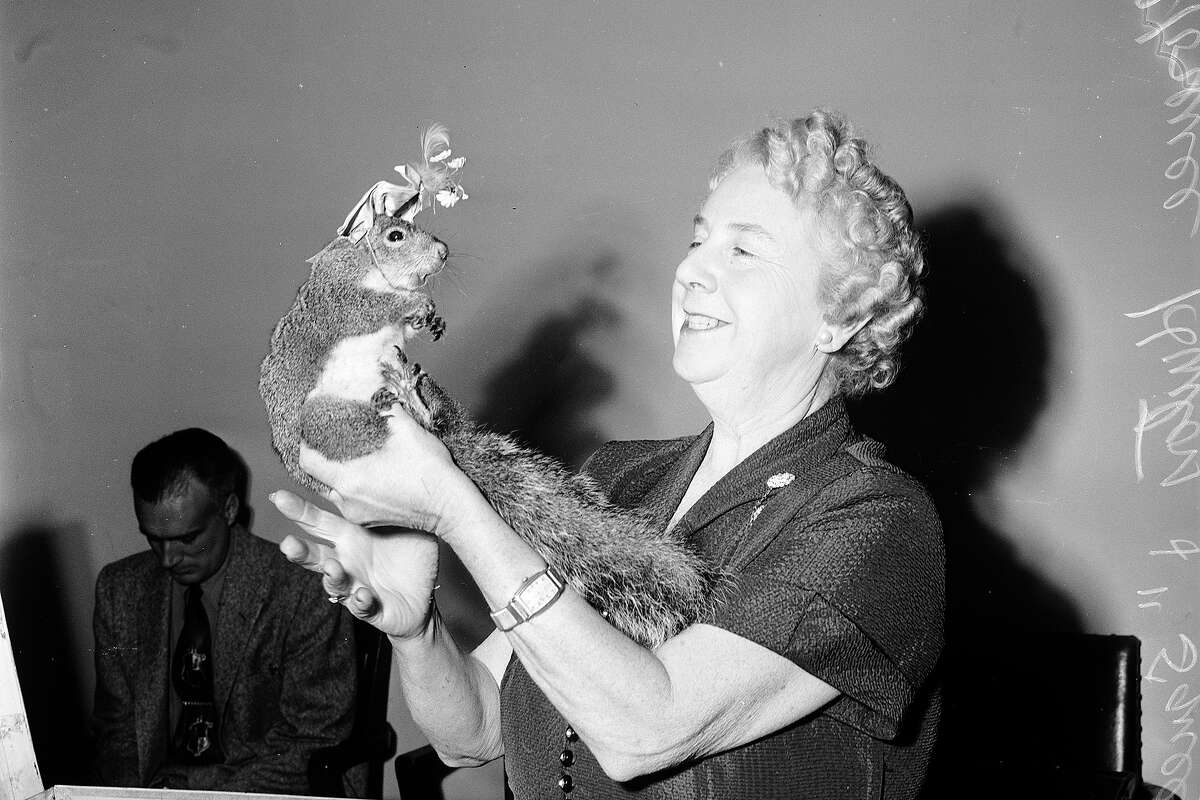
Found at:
<point>972,383</point>
<point>542,397</point>
<point>36,585</point>
<point>544,394</point>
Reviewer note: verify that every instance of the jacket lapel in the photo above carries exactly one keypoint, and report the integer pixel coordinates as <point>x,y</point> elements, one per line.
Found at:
<point>242,598</point>
<point>154,653</point>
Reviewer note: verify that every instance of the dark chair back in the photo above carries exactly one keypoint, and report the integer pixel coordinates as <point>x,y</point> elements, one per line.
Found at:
<point>1043,713</point>
<point>420,772</point>
<point>372,741</point>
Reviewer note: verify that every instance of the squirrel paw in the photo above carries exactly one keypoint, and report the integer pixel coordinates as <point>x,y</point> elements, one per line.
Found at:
<point>401,379</point>
<point>436,327</point>
<point>423,316</point>
<point>432,324</point>
<point>383,400</point>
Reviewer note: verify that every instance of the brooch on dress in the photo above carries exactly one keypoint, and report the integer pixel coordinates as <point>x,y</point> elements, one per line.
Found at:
<point>775,482</point>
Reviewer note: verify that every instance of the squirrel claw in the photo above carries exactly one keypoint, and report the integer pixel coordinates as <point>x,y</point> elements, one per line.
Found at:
<point>384,400</point>
<point>402,380</point>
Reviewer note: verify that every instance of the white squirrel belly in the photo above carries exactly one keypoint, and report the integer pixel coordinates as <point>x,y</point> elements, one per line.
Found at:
<point>353,368</point>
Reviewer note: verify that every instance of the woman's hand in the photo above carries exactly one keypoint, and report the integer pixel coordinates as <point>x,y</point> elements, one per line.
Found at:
<point>411,481</point>
<point>387,576</point>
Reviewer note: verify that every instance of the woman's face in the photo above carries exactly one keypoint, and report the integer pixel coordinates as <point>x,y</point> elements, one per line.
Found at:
<point>745,306</point>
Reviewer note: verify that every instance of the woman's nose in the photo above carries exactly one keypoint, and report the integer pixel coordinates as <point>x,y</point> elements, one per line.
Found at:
<point>695,272</point>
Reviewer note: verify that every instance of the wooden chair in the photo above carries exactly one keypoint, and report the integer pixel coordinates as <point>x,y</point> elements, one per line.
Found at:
<point>372,741</point>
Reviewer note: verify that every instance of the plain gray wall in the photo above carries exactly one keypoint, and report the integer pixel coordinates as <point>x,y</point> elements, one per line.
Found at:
<point>168,167</point>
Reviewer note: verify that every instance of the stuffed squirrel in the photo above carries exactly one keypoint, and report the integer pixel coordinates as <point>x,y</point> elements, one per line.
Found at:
<point>337,369</point>
<point>364,297</point>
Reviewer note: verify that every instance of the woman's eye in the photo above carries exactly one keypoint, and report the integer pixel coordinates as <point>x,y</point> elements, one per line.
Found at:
<point>741,253</point>
<point>693,245</point>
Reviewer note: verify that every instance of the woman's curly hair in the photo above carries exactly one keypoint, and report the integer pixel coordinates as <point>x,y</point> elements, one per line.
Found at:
<point>871,255</point>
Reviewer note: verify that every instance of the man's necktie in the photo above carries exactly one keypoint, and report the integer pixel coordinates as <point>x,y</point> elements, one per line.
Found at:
<point>195,739</point>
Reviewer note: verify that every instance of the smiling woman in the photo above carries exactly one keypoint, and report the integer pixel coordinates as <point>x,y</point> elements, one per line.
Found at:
<point>745,299</point>
<point>814,675</point>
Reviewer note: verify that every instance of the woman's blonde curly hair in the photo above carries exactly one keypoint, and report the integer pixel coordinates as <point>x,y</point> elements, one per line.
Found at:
<point>871,255</point>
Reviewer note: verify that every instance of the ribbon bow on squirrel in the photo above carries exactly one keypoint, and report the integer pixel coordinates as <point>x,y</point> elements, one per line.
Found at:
<point>434,178</point>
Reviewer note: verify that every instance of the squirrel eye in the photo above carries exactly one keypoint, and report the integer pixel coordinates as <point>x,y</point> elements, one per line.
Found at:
<point>395,235</point>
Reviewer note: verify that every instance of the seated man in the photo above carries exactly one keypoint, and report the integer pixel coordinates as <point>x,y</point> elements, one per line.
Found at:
<point>219,665</point>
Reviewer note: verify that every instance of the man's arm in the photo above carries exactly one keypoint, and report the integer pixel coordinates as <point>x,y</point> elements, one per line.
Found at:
<point>112,718</point>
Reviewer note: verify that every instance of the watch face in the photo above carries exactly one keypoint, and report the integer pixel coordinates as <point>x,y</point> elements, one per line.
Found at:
<point>537,594</point>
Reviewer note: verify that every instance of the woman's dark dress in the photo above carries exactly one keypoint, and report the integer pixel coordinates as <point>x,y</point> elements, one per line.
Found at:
<point>842,572</point>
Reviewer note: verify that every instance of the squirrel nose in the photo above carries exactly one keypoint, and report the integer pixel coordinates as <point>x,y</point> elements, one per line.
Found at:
<point>442,251</point>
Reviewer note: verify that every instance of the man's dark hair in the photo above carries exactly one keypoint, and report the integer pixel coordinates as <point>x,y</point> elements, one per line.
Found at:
<point>163,467</point>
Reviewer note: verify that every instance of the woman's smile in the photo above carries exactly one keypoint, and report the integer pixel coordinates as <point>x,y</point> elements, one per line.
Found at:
<point>701,322</point>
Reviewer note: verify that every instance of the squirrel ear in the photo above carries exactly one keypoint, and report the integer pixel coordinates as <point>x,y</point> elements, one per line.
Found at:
<point>410,209</point>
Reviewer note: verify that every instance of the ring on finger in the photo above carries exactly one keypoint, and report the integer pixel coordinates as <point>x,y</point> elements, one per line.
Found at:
<point>336,598</point>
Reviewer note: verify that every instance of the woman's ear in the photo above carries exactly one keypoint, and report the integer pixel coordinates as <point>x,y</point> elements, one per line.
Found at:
<point>833,337</point>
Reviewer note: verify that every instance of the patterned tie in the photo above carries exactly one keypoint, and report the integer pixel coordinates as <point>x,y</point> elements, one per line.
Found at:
<point>195,740</point>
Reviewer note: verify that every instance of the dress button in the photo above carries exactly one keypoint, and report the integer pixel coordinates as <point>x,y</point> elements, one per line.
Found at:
<point>565,783</point>
<point>567,758</point>
<point>571,734</point>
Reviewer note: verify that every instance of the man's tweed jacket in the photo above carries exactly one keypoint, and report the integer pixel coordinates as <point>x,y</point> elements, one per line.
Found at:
<point>283,671</point>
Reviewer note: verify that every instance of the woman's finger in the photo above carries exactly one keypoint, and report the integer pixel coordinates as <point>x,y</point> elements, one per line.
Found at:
<point>304,552</point>
<point>363,603</point>
<point>317,465</point>
<point>336,581</point>
<point>315,520</point>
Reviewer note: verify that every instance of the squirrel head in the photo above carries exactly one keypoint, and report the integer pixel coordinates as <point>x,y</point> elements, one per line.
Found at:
<point>393,256</point>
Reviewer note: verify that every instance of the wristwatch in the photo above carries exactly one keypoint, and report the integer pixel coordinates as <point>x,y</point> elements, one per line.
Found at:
<point>532,597</point>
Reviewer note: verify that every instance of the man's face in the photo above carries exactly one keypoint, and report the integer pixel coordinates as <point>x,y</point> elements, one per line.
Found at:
<point>188,531</point>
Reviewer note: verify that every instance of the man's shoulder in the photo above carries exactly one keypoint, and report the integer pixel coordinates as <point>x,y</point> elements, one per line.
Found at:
<point>132,568</point>
<point>263,559</point>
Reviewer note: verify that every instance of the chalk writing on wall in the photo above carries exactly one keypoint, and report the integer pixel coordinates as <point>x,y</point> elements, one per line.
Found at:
<point>1167,417</point>
<point>1175,45</point>
<point>1171,421</point>
<point>1168,665</point>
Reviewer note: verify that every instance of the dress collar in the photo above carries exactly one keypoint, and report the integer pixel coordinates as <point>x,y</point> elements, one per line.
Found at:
<point>796,451</point>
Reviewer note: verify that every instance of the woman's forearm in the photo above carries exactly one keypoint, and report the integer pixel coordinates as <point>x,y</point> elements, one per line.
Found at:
<point>702,691</point>
<point>451,695</point>
<point>615,692</point>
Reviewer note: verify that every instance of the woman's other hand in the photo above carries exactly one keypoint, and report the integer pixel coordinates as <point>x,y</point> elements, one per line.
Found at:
<point>386,575</point>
